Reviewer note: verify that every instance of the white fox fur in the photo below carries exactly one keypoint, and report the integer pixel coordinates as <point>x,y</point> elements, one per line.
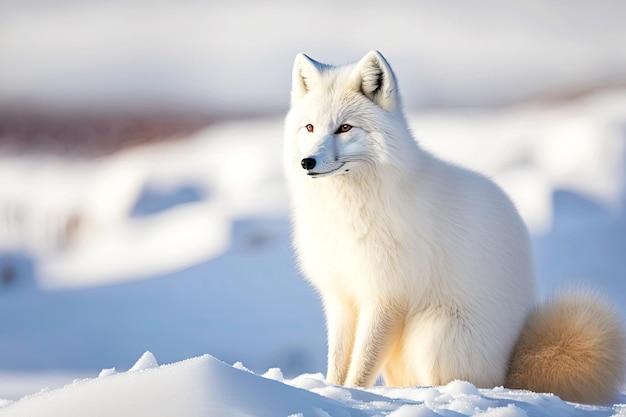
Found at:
<point>424,268</point>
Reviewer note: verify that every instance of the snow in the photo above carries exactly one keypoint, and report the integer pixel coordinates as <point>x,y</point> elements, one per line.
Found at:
<point>205,386</point>
<point>195,387</point>
<point>182,248</point>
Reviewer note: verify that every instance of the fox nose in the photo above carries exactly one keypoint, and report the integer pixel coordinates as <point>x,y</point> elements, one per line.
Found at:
<point>308,163</point>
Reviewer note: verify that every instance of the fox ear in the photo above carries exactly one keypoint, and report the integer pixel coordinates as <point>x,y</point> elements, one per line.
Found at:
<point>375,79</point>
<point>305,76</point>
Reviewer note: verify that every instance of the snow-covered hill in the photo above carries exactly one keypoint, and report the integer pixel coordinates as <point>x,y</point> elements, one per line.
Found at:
<point>204,386</point>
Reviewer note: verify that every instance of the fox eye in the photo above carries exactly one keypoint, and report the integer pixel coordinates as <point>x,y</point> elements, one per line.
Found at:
<point>309,128</point>
<point>343,128</point>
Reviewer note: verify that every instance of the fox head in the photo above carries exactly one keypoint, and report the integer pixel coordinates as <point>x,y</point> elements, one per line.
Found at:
<point>342,119</point>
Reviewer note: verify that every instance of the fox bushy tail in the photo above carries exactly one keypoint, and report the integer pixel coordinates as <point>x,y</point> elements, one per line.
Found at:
<point>573,345</point>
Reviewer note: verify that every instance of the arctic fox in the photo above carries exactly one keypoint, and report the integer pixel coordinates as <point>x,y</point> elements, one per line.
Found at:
<point>424,268</point>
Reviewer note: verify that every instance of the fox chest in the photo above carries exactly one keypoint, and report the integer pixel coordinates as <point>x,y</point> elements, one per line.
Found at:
<point>351,249</point>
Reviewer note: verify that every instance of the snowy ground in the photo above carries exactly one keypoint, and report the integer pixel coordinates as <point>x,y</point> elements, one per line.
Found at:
<point>205,386</point>
<point>181,248</point>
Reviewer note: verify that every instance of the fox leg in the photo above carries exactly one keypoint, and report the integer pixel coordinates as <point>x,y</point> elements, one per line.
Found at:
<point>376,331</point>
<point>341,320</point>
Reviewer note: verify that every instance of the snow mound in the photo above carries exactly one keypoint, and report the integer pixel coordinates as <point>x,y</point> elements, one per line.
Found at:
<point>200,386</point>
<point>205,386</point>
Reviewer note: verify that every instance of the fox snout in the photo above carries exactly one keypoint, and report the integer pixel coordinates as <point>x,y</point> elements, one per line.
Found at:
<point>319,166</point>
<point>322,159</point>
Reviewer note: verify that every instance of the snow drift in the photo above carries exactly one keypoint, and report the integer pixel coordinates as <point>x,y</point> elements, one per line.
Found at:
<point>204,386</point>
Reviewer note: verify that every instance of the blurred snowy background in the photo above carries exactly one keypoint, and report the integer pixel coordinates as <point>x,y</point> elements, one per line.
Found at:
<point>142,200</point>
